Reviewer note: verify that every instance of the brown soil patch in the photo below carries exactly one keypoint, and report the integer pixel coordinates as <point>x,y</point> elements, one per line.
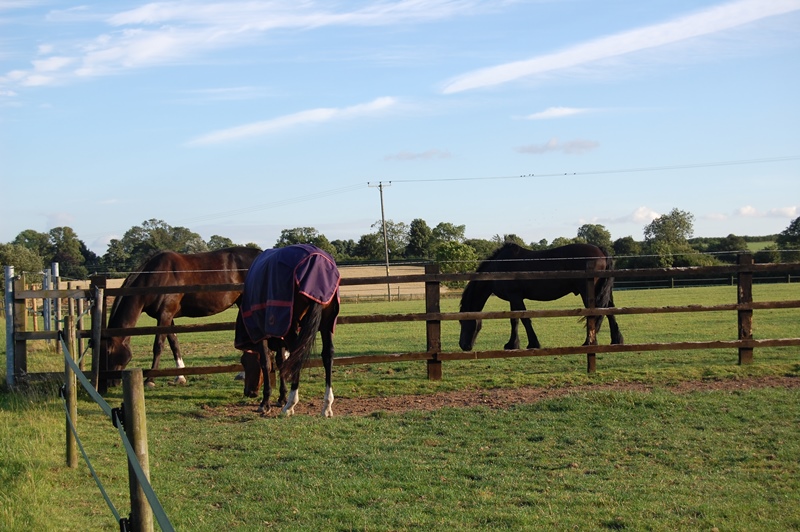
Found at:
<point>501,398</point>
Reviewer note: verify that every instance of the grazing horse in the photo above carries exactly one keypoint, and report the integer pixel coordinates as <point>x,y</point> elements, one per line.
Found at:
<point>513,258</point>
<point>290,293</point>
<point>166,268</point>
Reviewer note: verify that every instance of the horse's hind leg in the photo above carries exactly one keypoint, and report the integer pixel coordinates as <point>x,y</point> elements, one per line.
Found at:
<point>176,354</point>
<point>616,334</point>
<point>327,361</point>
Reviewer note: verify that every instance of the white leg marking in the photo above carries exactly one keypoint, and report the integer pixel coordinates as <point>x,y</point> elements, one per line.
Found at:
<point>288,408</point>
<point>328,402</point>
<point>180,379</point>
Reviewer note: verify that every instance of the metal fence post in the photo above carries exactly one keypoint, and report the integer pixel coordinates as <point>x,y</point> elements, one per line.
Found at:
<point>9,309</point>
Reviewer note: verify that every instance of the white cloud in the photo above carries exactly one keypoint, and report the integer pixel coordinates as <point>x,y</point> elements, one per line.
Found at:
<point>748,211</point>
<point>572,147</point>
<point>556,112</point>
<point>713,20</point>
<point>644,215</point>
<point>312,116</point>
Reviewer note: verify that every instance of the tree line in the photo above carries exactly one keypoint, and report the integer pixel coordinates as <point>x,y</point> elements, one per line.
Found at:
<point>667,242</point>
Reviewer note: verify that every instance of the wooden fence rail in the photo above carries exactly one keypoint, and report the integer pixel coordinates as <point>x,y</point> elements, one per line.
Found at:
<point>434,356</point>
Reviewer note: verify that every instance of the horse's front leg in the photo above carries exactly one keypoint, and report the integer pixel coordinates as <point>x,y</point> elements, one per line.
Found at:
<point>327,362</point>
<point>513,342</point>
<point>158,348</point>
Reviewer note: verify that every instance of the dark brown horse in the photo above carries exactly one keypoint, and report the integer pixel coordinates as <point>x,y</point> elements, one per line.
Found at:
<point>290,293</point>
<point>166,268</point>
<point>513,258</point>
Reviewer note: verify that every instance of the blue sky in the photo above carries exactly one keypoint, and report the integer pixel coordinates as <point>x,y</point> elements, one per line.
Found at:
<point>526,117</point>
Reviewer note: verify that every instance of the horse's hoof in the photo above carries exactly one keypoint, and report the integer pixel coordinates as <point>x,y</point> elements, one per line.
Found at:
<point>327,413</point>
<point>150,384</point>
<point>179,381</point>
<point>239,376</point>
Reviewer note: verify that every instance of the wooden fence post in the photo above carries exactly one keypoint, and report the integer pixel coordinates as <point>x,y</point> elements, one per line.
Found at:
<point>136,430</point>
<point>745,296</point>
<point>433,328</point>
<point>71,391</point>
<point>591,321</point>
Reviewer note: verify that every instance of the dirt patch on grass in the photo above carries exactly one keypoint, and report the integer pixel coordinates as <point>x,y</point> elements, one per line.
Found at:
<point>501,398</point>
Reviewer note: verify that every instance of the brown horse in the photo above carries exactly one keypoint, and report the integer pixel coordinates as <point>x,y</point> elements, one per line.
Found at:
<point>167,268</point>
<point>290,293</point>
<point>513,258</point>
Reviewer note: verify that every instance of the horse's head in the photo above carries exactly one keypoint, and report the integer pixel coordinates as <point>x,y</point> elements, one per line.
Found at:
<point>253,377</point>
<point>116,353</point>
<point>469,333</point>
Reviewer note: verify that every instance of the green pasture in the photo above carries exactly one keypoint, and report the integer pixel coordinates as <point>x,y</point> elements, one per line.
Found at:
<point>590,460</point>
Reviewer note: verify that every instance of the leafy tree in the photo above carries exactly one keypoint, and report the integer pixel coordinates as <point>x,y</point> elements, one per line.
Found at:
<point>788,241</point>
<point>370,247</point>
<point>345,249</point>
<point>666,239</point>
<point>420,238</point>
<point>510,238</point>
<point>595,234</point>
<point>626,252</point>
<point>305,235</point>
<point>22,258</point>
<point>396,237</point>
<point>768,254</point>
<point>447,232</point>
<point>34,241</point>
<point>455,257</point>
<point>483,248</point>
<point>138,243</point>
<point>67,253</point>
<point>562,241</point>
<point>219,242</point>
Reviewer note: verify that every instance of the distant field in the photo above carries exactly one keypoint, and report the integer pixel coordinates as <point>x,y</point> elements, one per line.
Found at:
<point>758,246</point>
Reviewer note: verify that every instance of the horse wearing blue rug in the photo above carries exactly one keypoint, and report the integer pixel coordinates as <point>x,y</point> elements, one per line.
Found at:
<point>290,293</point>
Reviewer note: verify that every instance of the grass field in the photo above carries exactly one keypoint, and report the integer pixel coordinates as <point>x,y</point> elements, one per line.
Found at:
<point>657,460</point>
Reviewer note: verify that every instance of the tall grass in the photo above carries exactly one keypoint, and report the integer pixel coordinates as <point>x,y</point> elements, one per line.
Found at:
<point>598,460</point>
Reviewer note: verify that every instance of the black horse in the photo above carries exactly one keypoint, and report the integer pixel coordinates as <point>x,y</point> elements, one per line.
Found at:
<point>290,293</point>
<point>513,258</point>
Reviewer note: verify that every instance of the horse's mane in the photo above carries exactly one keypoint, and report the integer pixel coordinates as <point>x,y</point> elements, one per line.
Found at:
<point>130,280</point>
<point>506,251</point>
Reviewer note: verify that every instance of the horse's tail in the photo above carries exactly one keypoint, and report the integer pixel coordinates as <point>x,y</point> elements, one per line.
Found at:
<point>304,343</point>
<point>605,292</point>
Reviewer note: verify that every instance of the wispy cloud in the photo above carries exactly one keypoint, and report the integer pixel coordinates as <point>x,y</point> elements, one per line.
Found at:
<point>312,116</point>
<point>163,33</point>
<point>556,112</point>
<point>417,156</point>
<point>707,22</point>
<point>572,147</point>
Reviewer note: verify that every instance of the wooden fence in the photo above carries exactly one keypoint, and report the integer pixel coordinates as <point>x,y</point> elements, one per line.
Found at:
<point>433,355</point>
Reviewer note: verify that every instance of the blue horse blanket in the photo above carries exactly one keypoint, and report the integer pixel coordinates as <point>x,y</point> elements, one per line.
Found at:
<point>270,286</point>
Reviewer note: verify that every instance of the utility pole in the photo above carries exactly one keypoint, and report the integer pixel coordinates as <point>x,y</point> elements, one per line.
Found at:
<point>385,238</point>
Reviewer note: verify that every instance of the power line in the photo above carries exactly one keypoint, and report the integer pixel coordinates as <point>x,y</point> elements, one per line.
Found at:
<point>617,171</point>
